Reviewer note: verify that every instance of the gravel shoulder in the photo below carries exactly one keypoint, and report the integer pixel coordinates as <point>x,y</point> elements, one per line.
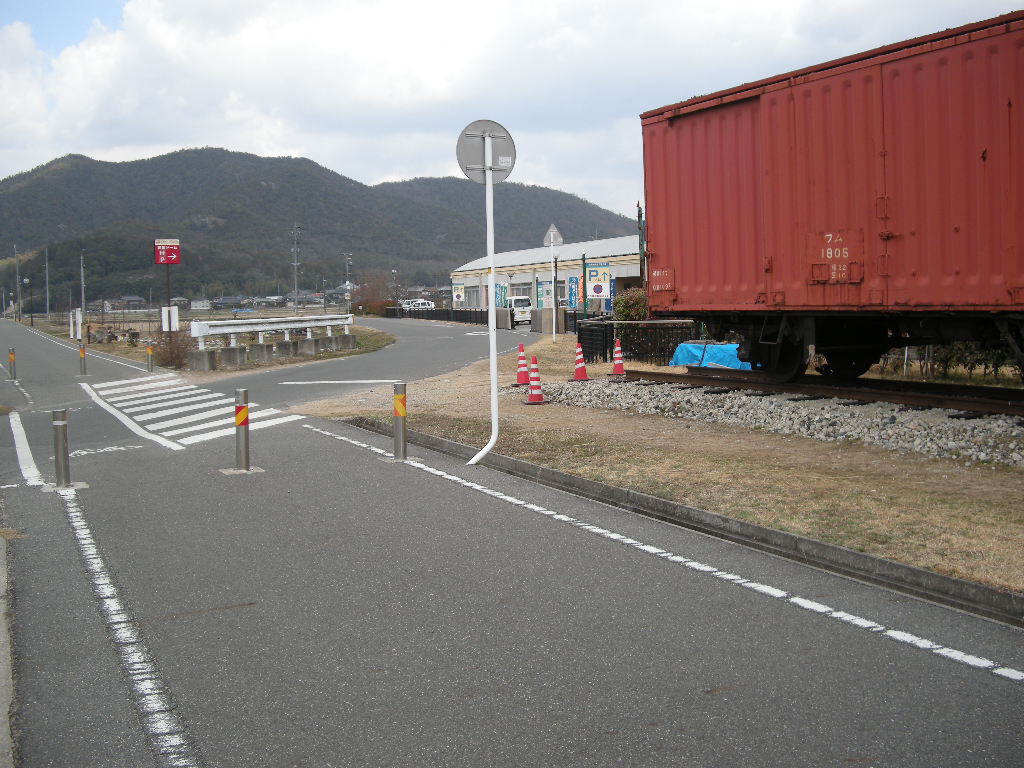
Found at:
<point>915,487</point>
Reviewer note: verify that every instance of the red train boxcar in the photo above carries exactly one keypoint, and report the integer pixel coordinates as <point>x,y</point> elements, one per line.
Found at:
<point>866,203</point>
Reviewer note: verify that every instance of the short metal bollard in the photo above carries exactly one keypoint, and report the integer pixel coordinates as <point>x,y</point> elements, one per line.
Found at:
<point>149,358</point>
<point>81,358</point>
<point>61,461</point>
<point>242,429</point>
<point>12,371</point>
<point>400,414</point>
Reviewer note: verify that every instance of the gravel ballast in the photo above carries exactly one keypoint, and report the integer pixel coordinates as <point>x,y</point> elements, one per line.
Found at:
<point>934,432</point>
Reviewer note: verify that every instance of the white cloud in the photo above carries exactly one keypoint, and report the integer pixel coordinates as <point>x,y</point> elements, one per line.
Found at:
<point>379,90</point>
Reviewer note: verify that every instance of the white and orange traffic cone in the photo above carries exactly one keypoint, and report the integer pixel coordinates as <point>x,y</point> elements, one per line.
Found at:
<point>536,396</point>
<point>580,374</point>
<point>618,369</point>
<point>522,373</point>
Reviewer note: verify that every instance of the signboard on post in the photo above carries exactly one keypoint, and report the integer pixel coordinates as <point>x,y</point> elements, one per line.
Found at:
<point>167,251</point>
<point>169,318</point>
<point>599,279</point>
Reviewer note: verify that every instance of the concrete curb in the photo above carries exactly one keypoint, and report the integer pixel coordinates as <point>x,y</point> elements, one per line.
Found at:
<point>1002,605</point>
<point>6,663</point>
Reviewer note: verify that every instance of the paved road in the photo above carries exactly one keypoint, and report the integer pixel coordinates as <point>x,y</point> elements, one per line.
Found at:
<point>339,609</point>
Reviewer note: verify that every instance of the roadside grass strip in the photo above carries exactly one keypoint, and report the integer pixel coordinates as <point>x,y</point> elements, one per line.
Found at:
<point>911,640</point>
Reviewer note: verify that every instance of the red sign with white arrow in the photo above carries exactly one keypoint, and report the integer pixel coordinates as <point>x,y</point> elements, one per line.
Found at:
<point>167,251</point>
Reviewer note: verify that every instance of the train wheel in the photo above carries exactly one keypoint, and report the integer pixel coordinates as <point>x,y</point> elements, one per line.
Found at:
<point>847,364</point>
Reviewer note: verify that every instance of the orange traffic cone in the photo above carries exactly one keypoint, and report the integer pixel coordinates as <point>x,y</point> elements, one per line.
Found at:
<point>522,374</point>
<point>618,369</point>
<point>580,374</point>
<point>536,396</point>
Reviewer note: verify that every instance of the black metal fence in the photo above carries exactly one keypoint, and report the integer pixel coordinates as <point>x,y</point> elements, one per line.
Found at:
<point>653,343</point>
<point>471,316</point>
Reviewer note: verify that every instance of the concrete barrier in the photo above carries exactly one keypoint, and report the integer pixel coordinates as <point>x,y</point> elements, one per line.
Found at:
<point>309,347</point>
<point>262,353</point>
<point>202,359</point>
<point>232,357</point>
<point>286,349</point>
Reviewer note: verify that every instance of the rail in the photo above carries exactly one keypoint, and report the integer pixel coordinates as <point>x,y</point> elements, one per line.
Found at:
<point>201,329</point>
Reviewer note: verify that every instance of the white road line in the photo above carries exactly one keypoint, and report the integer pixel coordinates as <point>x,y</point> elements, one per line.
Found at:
<point>215,413</point>
<point>975,662</point>
<point>138,430</point>
<point>184,409</point>
<point>347,381</point>
<point>139,380</point>
<point>231,430</point>
<point>164,728</point>
<point>29,470</point>
<point>162,403</point>
<point>136,388</point>
<point>140,398</point>
<point>261,414</point>
<point>74,348</point>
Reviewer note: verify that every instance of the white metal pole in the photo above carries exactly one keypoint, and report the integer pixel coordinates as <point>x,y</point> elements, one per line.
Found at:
<point>47,266</point>
<point>554,293</point>
<point>491,315</point>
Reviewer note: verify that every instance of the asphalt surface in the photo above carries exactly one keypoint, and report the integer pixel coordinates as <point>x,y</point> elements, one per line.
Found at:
<point>341,609</point>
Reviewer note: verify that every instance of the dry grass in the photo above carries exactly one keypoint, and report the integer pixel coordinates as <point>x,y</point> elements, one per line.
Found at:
<point>938,514</point>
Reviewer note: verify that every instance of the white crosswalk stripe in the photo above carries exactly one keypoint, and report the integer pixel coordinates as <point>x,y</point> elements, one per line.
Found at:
<point>165,407</point>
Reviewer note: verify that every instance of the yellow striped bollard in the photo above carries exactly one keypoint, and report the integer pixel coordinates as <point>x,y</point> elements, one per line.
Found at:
<point>242,429</point>
<point>400,414</point>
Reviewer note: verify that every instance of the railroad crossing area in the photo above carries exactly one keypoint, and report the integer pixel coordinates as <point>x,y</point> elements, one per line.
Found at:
<point>174,413</point>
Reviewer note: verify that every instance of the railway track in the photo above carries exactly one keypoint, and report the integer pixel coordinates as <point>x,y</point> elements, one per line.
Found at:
<point>970,401</point>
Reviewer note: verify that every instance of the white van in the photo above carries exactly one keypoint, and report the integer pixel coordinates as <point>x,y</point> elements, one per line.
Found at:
<point>521,307</point>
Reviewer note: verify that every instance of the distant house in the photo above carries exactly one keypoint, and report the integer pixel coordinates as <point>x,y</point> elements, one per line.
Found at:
<point>131,302</point>
<point>227,302</point>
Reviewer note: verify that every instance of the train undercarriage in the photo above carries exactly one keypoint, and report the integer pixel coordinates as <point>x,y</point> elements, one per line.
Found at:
<point>782,345</point>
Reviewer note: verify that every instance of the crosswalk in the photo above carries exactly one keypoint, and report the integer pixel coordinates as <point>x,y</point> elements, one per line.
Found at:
<point>175,413</point>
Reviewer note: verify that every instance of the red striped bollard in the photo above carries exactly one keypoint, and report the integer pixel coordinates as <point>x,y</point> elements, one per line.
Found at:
<point>580,374</point>
<point>618,369</point>
<point>536,396</point>
<point>522,372</point>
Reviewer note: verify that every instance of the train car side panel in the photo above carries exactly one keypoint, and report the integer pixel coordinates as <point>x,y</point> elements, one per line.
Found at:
<point>703,205</point>
<point>823,250</point>
<point>908,163</point>
<point>955,149</point>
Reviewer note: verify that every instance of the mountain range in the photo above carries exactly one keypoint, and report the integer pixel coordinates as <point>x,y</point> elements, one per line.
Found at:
<point>238,217</point>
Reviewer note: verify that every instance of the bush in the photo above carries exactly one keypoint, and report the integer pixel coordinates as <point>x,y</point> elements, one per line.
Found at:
<point>631,304</point>
<point>175,354</point>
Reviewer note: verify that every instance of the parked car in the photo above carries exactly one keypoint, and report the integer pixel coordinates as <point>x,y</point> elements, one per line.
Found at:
<point>521,307</point>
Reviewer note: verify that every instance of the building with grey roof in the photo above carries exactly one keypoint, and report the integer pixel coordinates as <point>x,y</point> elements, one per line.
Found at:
<point>612,265</point>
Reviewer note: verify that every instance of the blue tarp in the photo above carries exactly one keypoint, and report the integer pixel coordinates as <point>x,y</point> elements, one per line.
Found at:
<point>710,355</point>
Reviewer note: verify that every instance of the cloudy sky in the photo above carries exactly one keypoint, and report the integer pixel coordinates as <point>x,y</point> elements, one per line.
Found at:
<point>378,90</point>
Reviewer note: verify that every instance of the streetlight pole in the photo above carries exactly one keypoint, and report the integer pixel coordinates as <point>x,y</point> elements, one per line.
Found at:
<point>46,265</point>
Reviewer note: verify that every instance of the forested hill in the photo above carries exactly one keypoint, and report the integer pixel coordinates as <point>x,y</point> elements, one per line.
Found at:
<point>234,214</point>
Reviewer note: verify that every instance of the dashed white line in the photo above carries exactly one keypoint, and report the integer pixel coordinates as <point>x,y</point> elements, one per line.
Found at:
<point>975,662</point>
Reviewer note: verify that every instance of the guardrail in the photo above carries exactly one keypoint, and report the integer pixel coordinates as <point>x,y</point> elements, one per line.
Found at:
<point>201,329</point>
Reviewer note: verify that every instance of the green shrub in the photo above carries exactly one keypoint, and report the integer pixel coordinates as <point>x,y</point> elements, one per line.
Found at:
<point>631,304</point>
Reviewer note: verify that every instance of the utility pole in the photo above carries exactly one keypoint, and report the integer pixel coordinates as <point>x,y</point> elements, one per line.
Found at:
<point>81,274</point>
<point>46,265</point>
<point>295,263</point>
<point>17,284</point>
